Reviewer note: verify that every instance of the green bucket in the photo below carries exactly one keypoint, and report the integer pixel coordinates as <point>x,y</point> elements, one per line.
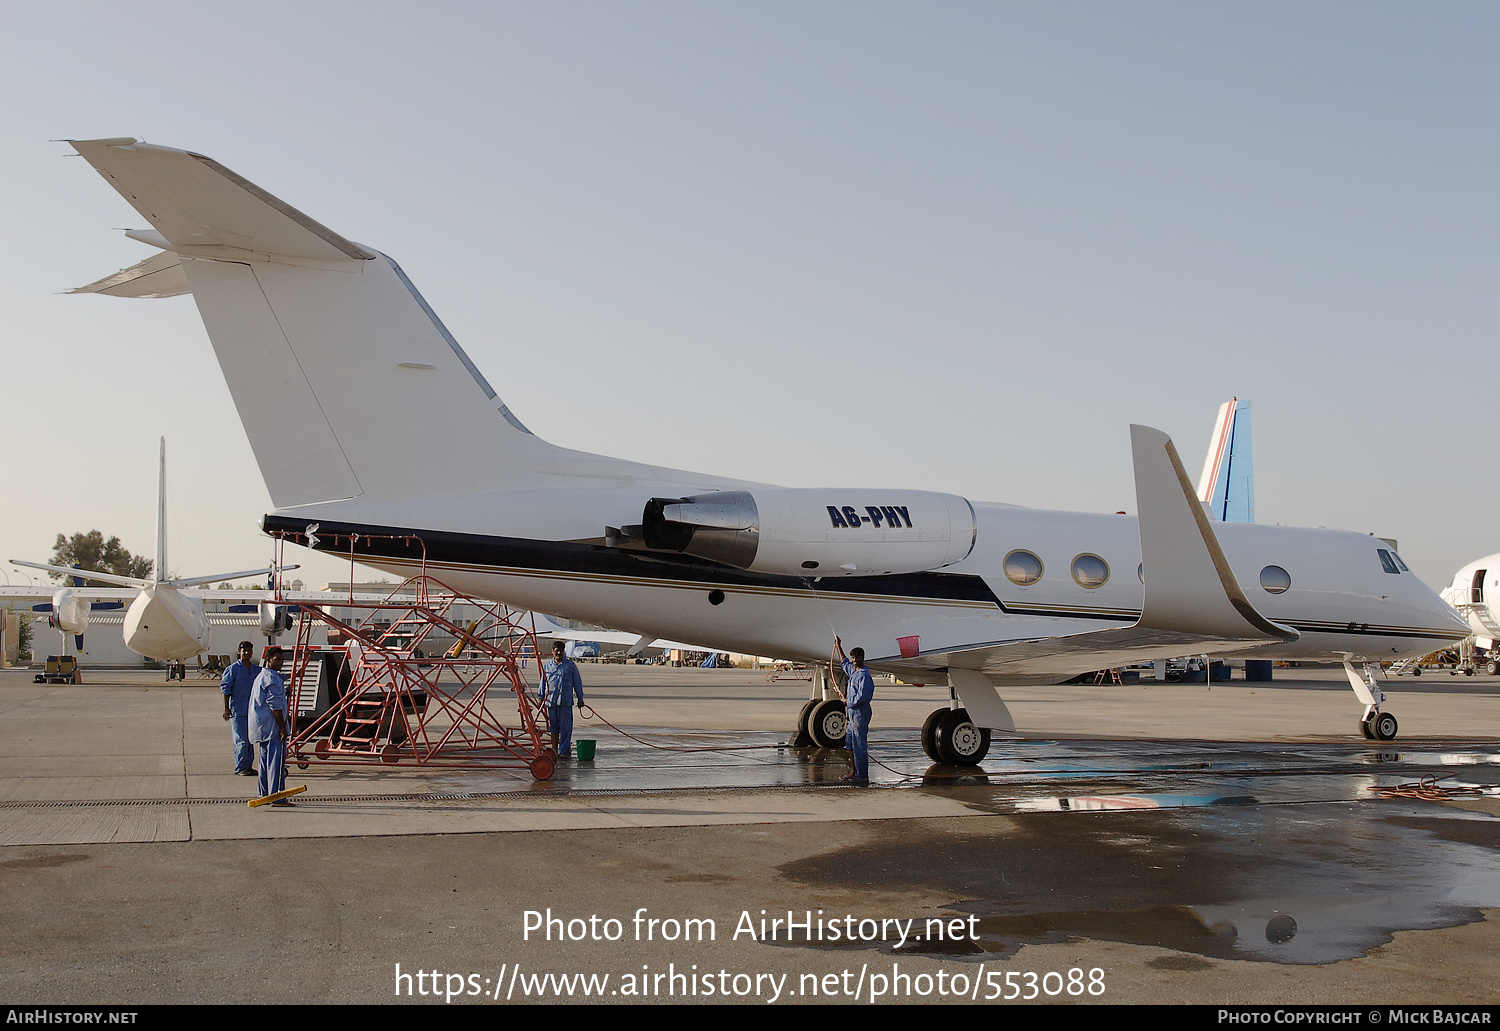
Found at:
<point>585,750</point>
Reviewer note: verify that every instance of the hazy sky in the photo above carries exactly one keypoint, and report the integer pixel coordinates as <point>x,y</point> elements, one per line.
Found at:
<point>953,246</point>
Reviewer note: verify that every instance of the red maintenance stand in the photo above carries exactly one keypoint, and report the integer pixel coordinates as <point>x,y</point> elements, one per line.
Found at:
<point>377,698</point>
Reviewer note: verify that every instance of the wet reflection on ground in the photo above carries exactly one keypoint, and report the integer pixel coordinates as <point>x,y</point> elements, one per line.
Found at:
<point>1311,883</point>
<point>1267,852</point>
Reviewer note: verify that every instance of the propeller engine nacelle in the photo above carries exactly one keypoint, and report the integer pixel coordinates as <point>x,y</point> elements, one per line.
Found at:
<point>274,619</point>
<point>816,532</point>
<point>70,613</point>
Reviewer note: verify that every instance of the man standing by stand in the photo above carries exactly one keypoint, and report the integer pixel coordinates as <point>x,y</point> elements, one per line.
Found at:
<point>857,699</point>
<point>560,685</point>
<point>268,725</point>
<point>236,684</point>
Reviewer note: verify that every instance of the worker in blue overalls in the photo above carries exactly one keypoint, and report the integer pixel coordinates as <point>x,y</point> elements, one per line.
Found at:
<point>236,684</point>
<point>269,726</point>
<point>857,697</point>
<point>561,684</point>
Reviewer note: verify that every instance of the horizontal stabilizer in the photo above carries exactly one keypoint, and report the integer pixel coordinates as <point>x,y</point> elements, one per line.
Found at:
<point>160,275</point>
<point>194,201</point>
<point>87,574</point>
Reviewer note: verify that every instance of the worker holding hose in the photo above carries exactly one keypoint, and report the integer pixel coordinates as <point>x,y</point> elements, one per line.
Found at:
<point>857,699</point>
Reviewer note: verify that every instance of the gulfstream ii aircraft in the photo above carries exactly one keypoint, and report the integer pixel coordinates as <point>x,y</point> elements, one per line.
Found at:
<point>353,394</point>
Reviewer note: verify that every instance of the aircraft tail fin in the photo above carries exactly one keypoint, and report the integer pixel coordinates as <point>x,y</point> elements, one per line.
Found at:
<point>159,571</point>
<point>346,381</point>
<point>1227,484</point>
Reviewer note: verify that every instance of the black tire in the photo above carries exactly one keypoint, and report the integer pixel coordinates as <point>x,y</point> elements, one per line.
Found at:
<point>827,724</point>
<point>1364,728</point>
<point>1383,726</point>
<point>1416,671</point>
<point>959,742</point>
<point>802,738</point>
<point>929,735</point>
<point>1492,667</point>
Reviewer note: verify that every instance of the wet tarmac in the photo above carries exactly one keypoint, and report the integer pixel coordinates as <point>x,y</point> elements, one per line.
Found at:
<point>1177,867</point>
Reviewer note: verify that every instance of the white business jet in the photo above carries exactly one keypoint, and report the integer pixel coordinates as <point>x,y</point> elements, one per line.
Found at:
<point>1475,593</point>
<point>164,621</point>
<point>352,393</point>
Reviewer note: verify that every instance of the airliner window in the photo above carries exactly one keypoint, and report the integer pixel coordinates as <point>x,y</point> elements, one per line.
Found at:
<point>1403,565</point>
<point>1385,560</point>
<point>1275,580</point>
<point>1090,571</point>
<point>1023,568</point>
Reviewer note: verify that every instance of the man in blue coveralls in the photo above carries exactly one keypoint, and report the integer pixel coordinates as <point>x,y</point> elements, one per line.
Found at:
<point>857,698</point>
<point>560,685</point>
<point>268,725</point>
<point>236,684</point>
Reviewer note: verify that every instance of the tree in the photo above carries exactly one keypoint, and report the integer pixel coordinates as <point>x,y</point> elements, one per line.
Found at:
<point>91,551</point>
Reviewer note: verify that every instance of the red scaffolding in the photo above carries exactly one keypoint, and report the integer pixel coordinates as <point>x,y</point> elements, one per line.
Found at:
<point>376,698</point>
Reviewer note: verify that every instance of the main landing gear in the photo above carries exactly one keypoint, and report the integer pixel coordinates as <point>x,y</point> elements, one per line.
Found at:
<point>822,723</point>
<point>951,738</point>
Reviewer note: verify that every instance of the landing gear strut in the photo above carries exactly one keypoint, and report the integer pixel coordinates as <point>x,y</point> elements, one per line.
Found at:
<point>1374,724</point>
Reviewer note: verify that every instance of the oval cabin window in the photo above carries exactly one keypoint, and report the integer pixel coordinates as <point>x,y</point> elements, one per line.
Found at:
<point>1090,571</point>
<point>1023,568</point>
<point>1275,579</point>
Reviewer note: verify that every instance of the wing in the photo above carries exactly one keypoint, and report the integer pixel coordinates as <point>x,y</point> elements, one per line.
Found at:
<point>1192,601</point>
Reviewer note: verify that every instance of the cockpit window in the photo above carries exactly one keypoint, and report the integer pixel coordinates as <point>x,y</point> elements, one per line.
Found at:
<point>1403,566</point>
<point>1388,562</point>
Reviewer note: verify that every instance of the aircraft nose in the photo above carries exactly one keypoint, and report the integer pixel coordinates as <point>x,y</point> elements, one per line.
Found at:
<point>1447,616</point>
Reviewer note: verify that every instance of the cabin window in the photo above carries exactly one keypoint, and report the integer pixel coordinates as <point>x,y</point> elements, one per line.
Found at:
<point>1275,580</point>
<point>1023,568</point>
<point>1090,571</point>
<point>1387,562</point>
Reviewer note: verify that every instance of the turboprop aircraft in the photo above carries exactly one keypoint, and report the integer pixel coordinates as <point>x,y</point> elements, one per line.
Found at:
<point>163,622</point>
<point>351,391</point>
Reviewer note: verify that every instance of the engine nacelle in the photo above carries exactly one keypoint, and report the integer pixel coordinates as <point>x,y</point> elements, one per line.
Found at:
<point>70,613</point>
<point>817,532</point>
<point>274,619</point>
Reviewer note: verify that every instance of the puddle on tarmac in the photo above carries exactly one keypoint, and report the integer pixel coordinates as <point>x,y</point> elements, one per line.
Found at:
<point>1312,883</point>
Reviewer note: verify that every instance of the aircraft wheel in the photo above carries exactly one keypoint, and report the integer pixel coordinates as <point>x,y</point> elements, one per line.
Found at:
<point>1492,667</point>
<point>959,742</point>
<point>803,738</point>
<point>542,768</point>
<point>1383,726</point>
<point>828,723</point>
<point>929,735</point>
<point>1364,728</point>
